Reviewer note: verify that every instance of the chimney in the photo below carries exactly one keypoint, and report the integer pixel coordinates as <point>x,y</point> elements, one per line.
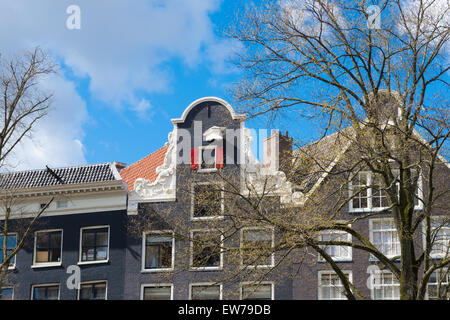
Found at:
<point>277,152</point>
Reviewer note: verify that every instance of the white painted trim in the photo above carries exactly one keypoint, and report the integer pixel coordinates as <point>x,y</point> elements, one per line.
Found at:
<point>272,256</point>
<point>371,235</point>
<point>372,287</point>
<point>191,250</point>
<point>47,264</point>
<point>143,254</point>
<point>80,249</point>
<point>200,159</point>
<point>156,285</point>
<point>319,277</point>
<point>45,285</point>
<point>206,284</point>
<point>260,283</point>
<point>234,115</point>
<point>440,218</point>
<point>349,239</point>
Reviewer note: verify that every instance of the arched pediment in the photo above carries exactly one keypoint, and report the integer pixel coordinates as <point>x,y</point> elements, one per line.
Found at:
<point>234,115</point>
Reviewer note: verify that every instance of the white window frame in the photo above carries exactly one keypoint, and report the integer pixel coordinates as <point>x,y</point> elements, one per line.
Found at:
<point>155,285</point>
<point>94,282</point>
<point>349,248</point>
<point>46,285</point>
<point>440,219</point>
<point>191,255</point>
<point>144,238</point>
<point>372,285</point>
<point>80,251</point>
<point>206,284</point>
<point>47,264</point>
<point>272,256</point>
<point>261,283</point>
<point>200,157</point>
<point>348,273</point>
<point>369,189</point>
<point>6,288</point>
<point>442,283</point>
<point>222,202</point>
<point>371,221</point>
<point>12,266</point>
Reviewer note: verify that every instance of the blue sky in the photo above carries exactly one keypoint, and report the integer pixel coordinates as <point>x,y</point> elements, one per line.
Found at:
<point>124,74</point>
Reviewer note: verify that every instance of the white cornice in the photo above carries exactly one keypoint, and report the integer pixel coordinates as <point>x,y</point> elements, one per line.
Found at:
<point>65,189</point>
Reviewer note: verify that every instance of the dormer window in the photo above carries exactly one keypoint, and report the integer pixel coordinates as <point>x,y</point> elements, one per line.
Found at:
<point>207,158</point>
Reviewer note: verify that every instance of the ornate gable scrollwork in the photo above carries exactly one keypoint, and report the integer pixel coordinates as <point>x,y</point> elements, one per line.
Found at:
<point>256,178</point>
<point>163,188</point>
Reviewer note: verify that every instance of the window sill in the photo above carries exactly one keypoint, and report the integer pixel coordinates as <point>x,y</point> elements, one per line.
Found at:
<point>46,265</point>
<point>257,267</point>
<point>82,263</point>
<point>337,260</point>
<point>207,218</point>
<point>207,170</point>
<point>157,270</point>
<point>205,269</point>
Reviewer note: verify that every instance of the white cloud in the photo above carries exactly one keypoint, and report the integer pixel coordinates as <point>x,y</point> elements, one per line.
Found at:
<point>122,47</point>
<point>56,139</point>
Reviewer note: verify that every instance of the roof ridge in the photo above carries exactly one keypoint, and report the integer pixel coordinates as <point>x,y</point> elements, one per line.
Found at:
<point>58,168</point>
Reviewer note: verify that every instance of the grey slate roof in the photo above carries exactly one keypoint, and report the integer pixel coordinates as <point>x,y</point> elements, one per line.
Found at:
<point>69,175</point>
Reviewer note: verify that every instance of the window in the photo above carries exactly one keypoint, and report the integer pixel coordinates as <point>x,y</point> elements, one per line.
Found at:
<point>254,291</point>
<point>438,285</point>
<point>330,285</point>
<point>206,250</point>
<point>257,247</point>
<point>92,291</point>
<point>6,293</point>
<point>94,244</point>
<point>440,230</point>
<point>384,236</point>
<point>360,200</point>
<point>385,286</point>
<point>367,192</point>
<point>159,251</point>
<point>11,242</point>
<point>45,292</point>
<point>207,158</point>
<point>338,253</point>
<point>62,204</point>
<point>207,201</point>
<point>206,292</point>
<point>157,292</point>
<point>48,247</point>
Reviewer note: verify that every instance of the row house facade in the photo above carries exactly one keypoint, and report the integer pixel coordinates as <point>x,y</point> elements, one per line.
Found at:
<point>128,230</point>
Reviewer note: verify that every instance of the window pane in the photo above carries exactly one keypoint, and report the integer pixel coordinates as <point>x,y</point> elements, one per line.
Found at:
<point>257,292</point>
<point>205,292</point>
<point>93,291</point>
<point>207,200</point>
<point>48,246</point>
<point>158,252</point>
<point>206,250</point>
<point>46,293</point>
<point>157,293</point>
<point>95,244</point>
<point>6,294</point>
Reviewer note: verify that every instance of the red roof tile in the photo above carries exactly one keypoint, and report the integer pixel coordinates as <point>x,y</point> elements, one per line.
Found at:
<point>144,168</point>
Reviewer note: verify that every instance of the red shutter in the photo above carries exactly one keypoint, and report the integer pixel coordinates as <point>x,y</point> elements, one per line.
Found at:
<point>194,158</point>
<point>219,157</point>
